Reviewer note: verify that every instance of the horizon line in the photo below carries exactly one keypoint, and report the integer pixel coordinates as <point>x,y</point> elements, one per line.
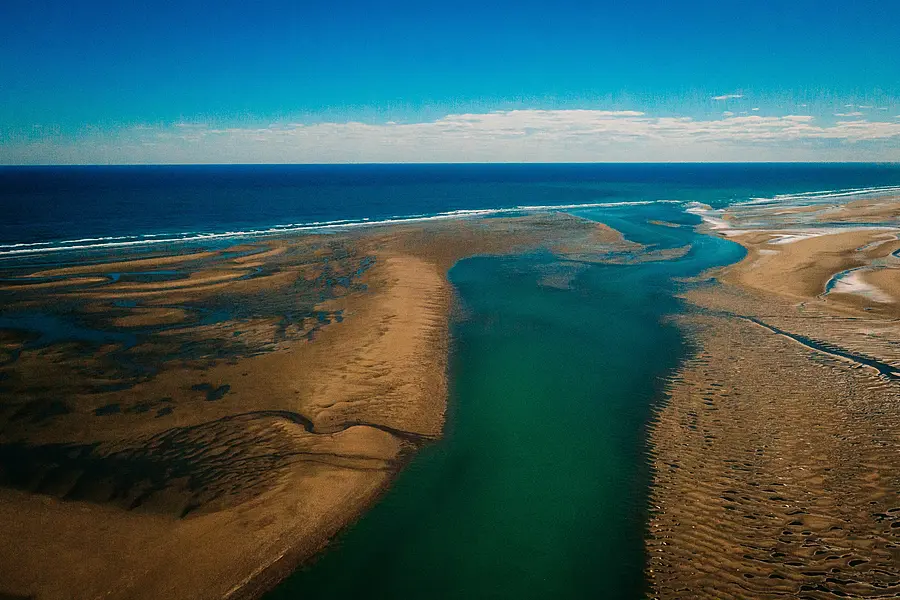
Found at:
<point>453,163</point>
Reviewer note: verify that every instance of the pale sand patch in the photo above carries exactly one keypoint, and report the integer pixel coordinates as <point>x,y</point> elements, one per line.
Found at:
<point>855,282</point>
<point>715,219</point>
<point>886,281</point>
<point>792,236</point>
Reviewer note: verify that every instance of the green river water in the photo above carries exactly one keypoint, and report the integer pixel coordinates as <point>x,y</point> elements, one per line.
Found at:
<point>539,487</point>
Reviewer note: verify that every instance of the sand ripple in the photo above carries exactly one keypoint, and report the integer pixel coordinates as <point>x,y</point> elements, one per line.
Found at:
<point>776,473</point>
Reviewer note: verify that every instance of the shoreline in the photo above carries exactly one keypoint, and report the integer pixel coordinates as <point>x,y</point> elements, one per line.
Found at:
<point>11,249</point>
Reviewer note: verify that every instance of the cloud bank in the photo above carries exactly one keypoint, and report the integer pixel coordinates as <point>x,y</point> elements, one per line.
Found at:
<point>501,136</point>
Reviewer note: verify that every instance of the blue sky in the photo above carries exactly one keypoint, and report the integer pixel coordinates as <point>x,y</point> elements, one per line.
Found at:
<point>398,81</point>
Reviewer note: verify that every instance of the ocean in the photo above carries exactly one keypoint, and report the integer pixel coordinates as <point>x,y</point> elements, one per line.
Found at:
<point>539,488</point>
<point>53,209</point>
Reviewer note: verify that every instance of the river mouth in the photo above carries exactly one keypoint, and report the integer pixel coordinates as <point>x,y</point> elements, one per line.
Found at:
<point>539,487</point>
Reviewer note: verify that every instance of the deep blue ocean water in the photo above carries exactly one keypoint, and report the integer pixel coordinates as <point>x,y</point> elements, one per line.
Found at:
<point>42,207</point>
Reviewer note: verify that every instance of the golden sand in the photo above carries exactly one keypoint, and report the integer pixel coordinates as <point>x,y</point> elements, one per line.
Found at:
<point>776,473</point>
<point>245,442</point>
<point>799,270</point>
<point>775,460</point>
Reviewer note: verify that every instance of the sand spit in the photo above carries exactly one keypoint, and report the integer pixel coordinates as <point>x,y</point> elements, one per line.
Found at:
<point>776,454</point>
<point>194,426</point>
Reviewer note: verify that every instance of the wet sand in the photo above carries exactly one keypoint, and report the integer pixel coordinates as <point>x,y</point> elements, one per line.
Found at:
<point>775,450</point>
<point>195,426</point>
<point>862,211</point>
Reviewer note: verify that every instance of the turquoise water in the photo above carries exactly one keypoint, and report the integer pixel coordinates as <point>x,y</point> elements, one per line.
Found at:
<point>539,487</point>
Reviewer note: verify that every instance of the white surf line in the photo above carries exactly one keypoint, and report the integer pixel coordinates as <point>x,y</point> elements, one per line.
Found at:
<point>174,237</point>
<point>821,195</point>
<point>13,250</point>
<point>708,214</point>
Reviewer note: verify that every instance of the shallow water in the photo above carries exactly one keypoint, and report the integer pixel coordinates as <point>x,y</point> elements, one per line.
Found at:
<point>50,329</point>
<point>539,487</point>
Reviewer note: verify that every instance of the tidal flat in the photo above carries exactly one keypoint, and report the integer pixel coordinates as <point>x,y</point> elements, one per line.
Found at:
<point>616,401</point>
<point>775,449</point>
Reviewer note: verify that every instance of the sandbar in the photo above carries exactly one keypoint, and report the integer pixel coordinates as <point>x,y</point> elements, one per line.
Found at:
<point>197,425</point>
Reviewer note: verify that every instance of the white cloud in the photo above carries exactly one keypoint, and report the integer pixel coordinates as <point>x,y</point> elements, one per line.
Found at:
<point>728,97</point>
<point>728,113</point>
<point>849,114</point>
<point>501,136</point>
<point>755,109</point>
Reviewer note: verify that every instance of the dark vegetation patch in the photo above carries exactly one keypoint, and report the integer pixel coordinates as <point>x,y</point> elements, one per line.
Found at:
<point>212,393</point>
<point>182,470</point>
<point>38,411</point>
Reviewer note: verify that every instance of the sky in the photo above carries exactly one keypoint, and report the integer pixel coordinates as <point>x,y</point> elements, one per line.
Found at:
<point>88,82</point>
